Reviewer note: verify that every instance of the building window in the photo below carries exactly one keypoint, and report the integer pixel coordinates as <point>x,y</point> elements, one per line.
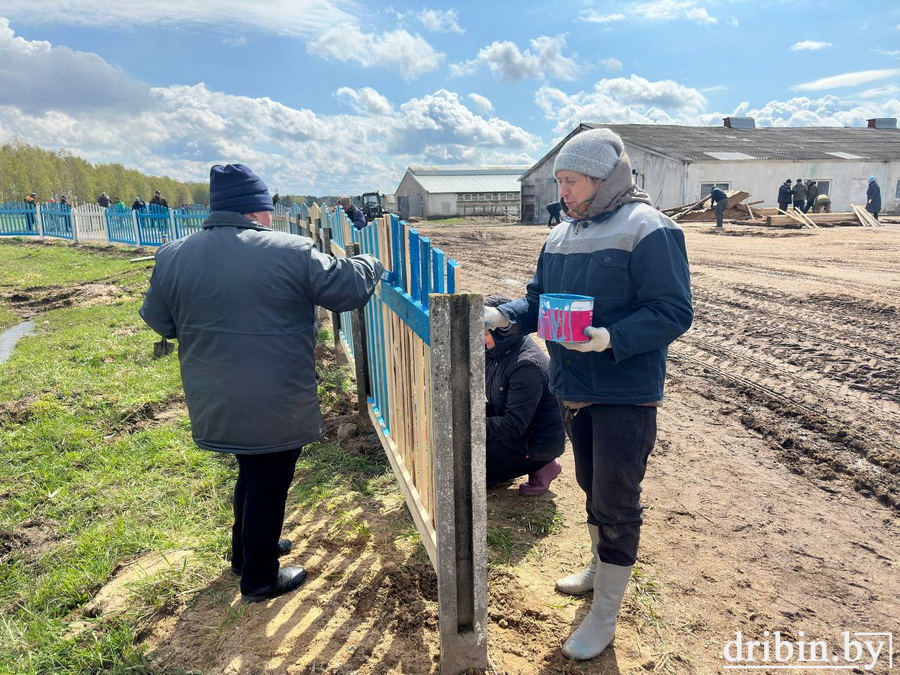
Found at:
<point>706,187</point>
<point>897,194</point>
<point>824,186</point>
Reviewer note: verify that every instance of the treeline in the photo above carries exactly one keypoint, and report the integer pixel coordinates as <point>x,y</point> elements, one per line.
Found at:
<point>27,168</point>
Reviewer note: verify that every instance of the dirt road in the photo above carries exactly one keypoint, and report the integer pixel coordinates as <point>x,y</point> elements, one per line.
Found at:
<point>772,496</point>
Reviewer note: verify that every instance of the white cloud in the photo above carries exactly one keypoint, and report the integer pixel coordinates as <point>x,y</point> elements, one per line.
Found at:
<point>410,54</point>
<point>671,10</point>
<point>507,62</point>
<point>36,77</point>
<point>444,129</point>
<point>809,45</point>
<point>235,41</point>
<point>592,16</point>
<point>365,100</point>
<point>828,111</point>
<point>848,79</point>
<point>302,18</point>
<point>632,100</point>
<point>881,92</point>
<point>440,21</point>
<point>481,102</point>
<point>612,64</point>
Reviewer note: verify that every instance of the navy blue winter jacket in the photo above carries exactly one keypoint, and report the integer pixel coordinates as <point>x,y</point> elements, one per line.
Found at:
<point>634,263</point>
<point>241,299</point>
<point>717,195</point>
<point>785,194</point>
<point>873,198</point>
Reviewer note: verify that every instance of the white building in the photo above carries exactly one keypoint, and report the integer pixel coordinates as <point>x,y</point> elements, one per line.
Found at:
<point>430,192</point>
<point>677,165</point>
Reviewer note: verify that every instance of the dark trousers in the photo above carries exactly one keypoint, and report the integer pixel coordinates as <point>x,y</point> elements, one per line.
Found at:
<point>259,498</point>
<point>720,212</point>
<point>783,206</point>
<point>505,461</point>
<point>809,205</point>
<point>611,444</point>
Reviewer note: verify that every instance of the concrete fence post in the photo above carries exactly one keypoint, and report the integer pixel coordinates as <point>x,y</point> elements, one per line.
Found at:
<point>458,433</point>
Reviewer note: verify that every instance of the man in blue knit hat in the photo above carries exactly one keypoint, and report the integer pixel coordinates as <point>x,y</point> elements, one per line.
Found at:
<point>241,300</point>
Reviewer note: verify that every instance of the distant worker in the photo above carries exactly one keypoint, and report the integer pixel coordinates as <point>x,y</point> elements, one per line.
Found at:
<point>555,209</point>
<point>812,191</point>
<point>784,195</point>
<point>525,432</point>
<point>800,195</point>
<point>31,202</point>
<point>63,201</point>
<point>720,199</point>
<point>138,204</point>
<point>241,298</point>
<point>823,203</point>
<point>103,200</point>
<point>873,198</point>
<point>357,217</point>
<point>159,200</point>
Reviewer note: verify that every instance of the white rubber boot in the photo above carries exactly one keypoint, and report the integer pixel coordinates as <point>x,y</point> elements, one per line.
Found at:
<point>583,581</point>
<point>599,626</point>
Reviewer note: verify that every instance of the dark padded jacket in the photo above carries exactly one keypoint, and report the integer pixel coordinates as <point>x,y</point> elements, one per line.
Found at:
<point>873,198</point>
<point>785,194</point>
<point>521,411</point>
<point>718,195</point>
<point>241,299</point>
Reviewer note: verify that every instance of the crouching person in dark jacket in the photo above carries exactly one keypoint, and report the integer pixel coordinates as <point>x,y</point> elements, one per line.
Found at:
<point>241,300</point>
<point>525,433</point>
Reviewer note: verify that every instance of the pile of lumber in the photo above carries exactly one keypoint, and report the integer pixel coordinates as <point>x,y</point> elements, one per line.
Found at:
<point>705,211</point>
<point>793,218</point>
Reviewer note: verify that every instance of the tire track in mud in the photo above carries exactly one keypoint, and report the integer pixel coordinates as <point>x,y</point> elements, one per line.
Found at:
<point>788,275</point>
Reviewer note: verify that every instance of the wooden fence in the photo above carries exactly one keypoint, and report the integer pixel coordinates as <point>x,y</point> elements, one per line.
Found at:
<point>418,352</point>
<point>417,349</point>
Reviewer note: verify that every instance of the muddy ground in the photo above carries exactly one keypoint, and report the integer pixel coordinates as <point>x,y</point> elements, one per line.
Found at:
<point>771,499</point>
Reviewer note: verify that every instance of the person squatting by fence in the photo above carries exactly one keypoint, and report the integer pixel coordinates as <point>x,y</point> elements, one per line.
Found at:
<point>632,260</point>
<point>524,430</point>
<point>241,300</point>
<point>719,198</point>
<point>873,198</point>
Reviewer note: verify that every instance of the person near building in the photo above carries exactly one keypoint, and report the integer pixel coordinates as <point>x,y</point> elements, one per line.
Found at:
<point>800,195</point>
<point>159,200</point>
<point>812,191</point>
<point>242,299</point>
<point>525,433</point>
<point>784,195</point>
<point>631,259</point>
<point>873,198</point>
<point>555,210</point>
<point>719,198</point>
<point>357,217</point>
<point>823,203</point>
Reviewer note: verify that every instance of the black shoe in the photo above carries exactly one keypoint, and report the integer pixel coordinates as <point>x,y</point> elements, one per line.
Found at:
<point>289,579</point>
<point>284,546</point>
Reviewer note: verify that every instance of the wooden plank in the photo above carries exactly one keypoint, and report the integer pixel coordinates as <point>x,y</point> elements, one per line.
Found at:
<point>794,217</point>
<point>420,515</point>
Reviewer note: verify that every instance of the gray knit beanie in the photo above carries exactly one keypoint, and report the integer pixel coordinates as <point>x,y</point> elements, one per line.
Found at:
<point>593,153</point>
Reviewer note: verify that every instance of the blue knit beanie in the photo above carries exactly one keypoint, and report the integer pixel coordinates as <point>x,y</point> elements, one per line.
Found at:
<point>594,153</point>
<point>871,179</point>
<point>234,187</point>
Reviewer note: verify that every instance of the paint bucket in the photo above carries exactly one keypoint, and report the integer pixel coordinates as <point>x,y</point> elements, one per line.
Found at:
<point>563,317</point>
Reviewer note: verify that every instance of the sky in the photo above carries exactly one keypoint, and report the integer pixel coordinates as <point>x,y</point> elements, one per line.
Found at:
<point>327,97</point>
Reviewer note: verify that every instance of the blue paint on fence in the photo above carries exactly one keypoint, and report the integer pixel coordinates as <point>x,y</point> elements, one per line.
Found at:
<point>189,220</point>
<point>56,220</point>
<point>452,266</point>
<point>154,226</point>
<point>425,274</point>
<point>120,225</point>
<point>415,285</point>
<point>18,219</point>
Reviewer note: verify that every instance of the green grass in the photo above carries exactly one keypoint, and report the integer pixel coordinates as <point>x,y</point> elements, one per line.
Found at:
<point>99,468</point>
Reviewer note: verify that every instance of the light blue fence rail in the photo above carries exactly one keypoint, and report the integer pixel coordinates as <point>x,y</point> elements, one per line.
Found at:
<point>56,220</point>
<point>18,219</point>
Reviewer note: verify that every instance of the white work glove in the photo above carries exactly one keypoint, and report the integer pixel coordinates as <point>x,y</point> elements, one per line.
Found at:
<point>494,319</point>
<point>599,341</point>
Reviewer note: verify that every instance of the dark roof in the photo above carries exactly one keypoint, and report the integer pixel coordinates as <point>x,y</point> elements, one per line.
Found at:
<point>691,144</point>
<point>721,144</point>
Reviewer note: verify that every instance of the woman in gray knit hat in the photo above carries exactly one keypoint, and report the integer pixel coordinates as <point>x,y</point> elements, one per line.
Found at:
<point>631,260</point>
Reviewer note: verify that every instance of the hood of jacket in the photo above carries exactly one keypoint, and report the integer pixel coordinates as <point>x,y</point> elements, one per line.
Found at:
<point>617,190</point>
<point>503,344</point>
